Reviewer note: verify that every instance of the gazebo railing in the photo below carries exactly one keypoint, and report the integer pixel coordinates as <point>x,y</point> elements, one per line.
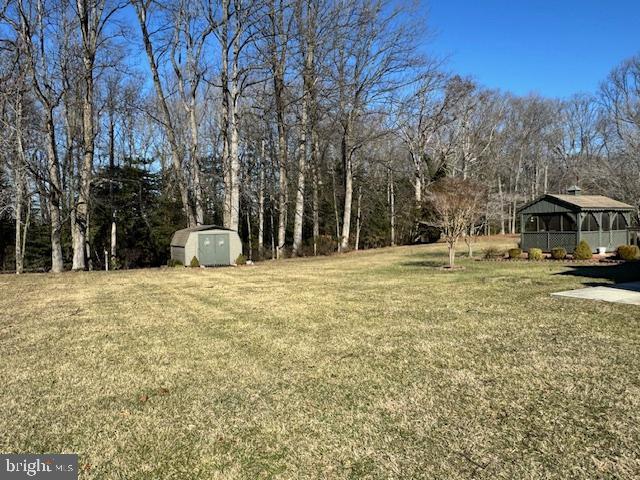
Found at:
<point>549,240</point>
<point>568,240</point>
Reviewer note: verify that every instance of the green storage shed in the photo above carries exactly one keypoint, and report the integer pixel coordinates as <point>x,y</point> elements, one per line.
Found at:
<point>210,244</point>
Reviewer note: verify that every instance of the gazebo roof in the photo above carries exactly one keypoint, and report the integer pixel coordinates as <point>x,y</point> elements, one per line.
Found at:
<point>581,202</point>
<point>592,202</point>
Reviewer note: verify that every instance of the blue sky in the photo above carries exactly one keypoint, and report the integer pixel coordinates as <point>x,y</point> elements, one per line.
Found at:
<point>554,48</point>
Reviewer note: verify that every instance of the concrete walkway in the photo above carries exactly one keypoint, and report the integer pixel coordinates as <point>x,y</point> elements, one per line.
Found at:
<point>618,293</point>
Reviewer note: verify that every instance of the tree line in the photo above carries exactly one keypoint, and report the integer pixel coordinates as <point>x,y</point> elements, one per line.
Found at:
<point>310,126</point>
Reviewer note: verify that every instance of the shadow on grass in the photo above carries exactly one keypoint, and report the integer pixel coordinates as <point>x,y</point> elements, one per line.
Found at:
<point>622,273</point>
<point>424,264</point>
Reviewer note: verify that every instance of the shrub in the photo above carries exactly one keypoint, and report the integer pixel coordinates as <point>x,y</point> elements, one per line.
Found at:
<point>558,253</point>
<point>629,252</point>
<point>515,252</point>
<point>194,263</point>
<point>492,252</point>
<point>583,251</point>
<point>535,254</point>
<point>174,263</point>
<point>241,260</point>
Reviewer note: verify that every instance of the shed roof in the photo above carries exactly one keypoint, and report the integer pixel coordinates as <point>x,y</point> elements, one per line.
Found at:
<point>180,237</point>
<point>582,202</point>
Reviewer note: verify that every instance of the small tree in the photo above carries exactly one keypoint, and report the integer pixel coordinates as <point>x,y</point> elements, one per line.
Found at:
<point>454,205</point>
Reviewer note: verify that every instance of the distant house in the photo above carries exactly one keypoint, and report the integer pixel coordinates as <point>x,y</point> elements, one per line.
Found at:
<point>210,244</point>
<point>564,220</point>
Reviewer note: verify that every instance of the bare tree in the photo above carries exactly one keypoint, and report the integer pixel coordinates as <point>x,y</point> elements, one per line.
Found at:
<point>32,23</point>
<point>190,34</point>
<point>142,8</point>
<point>620,127</point>
<point>369,53</point>
<point>93,17</point>
<point>455,205</point>
<point>277,50</point>
<point>15,119</point>
<point>421,115</point>
<point>305,13</point>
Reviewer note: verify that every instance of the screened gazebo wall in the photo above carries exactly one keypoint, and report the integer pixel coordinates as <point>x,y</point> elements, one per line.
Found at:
<point>542,237</point>
<point>611,232</point>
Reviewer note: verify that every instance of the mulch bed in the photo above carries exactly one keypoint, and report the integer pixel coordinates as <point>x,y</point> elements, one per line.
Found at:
<point>593,261</point>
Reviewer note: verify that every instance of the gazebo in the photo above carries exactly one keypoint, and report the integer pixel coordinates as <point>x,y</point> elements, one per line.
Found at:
<point>564,220</point>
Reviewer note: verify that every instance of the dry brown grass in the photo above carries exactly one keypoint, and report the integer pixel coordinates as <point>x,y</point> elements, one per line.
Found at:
<point>376,364</point>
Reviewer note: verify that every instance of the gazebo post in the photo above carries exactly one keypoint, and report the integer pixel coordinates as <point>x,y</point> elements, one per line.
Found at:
<point>579,219</point>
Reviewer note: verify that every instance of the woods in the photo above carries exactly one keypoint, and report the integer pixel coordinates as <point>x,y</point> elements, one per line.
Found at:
<point>310,126</point>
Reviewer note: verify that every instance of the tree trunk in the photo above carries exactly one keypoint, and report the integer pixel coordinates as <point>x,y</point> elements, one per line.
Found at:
<point>307,108</point>
<point>392,209</point>
<point>111,259</point>
<point>54,194</point>
<point>358,218</point>
<point>469,241</point>
<point>278,59</point>
<point>19,201</point>
<point>27,222</point>
<point>302,165</point>
<point>234,167</point>
<point>501,197</point>
<point>224,112</point>
<point>316,214</point>
<point>43,200</point>
<point>89,20</point>
<point>487,224</point>
<point>114,241</point>
<point>335,208</point>
<point>515,193</point>
<point>418,188</point>
<point>250,239</point>
<point>348,191</point>
<point>20,184</point>
<point>71,175</point>
<point>273,233</point>
<point>86,170</point>
<point>195,163</point>
<point>282,168</point>
<point>261,205</point>
<point>112,141</point>
<point>452,254</point>
<point>234,161</point>
<point>88,246</point>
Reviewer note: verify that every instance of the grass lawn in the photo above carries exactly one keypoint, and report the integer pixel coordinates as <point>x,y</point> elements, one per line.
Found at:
<point>369,365</point>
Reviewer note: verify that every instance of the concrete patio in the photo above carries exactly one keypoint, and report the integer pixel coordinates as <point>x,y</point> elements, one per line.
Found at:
<point>628,293</point>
